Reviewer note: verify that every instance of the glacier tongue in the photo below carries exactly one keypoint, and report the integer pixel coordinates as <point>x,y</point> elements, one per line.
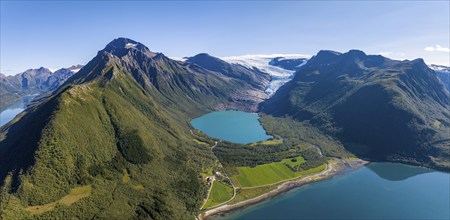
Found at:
<point>279,75</point>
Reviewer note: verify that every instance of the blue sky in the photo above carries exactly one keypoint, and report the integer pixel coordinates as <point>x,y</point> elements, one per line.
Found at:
<point>60,34</point>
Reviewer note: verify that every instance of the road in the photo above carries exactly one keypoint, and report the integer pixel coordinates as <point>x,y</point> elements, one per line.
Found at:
<point>332,169</point>
<point>226,175</point>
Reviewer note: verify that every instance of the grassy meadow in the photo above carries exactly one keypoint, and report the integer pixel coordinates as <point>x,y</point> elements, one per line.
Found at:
<point>271,173</point>
<point>220,193</point>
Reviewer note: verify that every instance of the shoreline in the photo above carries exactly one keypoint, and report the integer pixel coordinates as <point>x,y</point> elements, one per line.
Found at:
<point>334,168</point>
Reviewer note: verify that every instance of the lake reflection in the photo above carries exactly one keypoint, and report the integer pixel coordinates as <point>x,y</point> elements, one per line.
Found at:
<point>396,172</point>
<point>8,112</point>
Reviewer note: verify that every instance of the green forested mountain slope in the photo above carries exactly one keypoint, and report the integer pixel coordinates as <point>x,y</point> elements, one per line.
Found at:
<point>119,130</point>
<point>378,108</point>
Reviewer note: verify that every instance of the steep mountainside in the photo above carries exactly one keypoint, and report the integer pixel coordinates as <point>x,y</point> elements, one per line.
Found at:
<point>32,81</point>
<point>118,129</point>
<point>378,108</point>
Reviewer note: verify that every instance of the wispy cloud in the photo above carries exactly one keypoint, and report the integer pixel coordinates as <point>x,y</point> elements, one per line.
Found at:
<point>438,48</point>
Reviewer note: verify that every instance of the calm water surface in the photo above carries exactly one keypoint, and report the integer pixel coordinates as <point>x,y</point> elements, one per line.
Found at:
<point>8,112</point>
<point>377,191</point>
<point>234,126</point>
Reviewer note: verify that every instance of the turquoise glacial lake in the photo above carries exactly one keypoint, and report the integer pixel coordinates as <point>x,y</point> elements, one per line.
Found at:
<point>234,126</point>
<point>376,191</point>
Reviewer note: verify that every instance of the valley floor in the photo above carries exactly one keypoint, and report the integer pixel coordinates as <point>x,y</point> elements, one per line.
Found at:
<point>334,167</point>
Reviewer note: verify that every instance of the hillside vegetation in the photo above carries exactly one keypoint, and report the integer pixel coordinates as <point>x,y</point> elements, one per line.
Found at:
<point>114,140</point>
<point>377,108</point>
<point>120,125</point>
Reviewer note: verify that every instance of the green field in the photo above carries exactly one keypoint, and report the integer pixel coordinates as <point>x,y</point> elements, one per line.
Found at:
<point>269,142</point>
<point>249,193</point>
<point>270,173</point>
<point>219,193</point>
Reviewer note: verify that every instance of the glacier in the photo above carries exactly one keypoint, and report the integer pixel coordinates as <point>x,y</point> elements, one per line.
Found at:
<point>261,62</point>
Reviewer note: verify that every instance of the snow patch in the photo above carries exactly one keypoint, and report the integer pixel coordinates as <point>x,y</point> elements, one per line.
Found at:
<point>439,68</point>
<point>75,70</point>
<point>128,45</point>
<point>301,64</point>
<point>183,59</point>
<point>53,69</point>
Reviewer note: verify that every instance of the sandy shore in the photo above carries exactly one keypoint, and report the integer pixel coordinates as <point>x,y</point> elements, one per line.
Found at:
<point>333,168</point>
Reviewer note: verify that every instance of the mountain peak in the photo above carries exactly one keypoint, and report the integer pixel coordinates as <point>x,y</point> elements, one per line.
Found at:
<point>121,46</point>
<point>122,42</point>
<point>328,53</point>
<point>203,56</point>
<point>38,70</point>
<point>356,53</point>
<point>419,61</point>
<point>209,62</point>
<point>324,56</point>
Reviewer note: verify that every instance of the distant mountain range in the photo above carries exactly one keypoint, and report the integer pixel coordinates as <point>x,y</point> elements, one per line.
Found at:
<point>277,68</point>
<point>33,81</point>
<point>119,128</point>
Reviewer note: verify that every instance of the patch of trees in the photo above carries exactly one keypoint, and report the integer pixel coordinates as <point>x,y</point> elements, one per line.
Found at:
<point>246,155</point>
<point>132,147</point>
<point>312,160</point>
<point>189,190</point>
<point>155,207</point>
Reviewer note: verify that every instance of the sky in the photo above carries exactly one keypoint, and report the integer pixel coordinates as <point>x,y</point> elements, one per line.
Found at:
<point>60,34</point>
